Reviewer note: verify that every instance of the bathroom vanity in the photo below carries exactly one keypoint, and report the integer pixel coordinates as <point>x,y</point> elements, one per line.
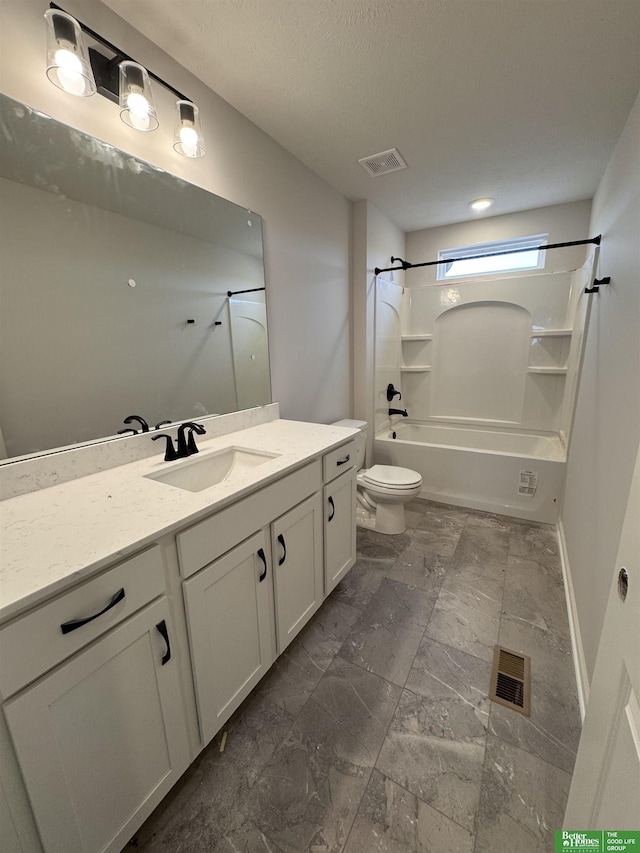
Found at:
<point>138,609</point>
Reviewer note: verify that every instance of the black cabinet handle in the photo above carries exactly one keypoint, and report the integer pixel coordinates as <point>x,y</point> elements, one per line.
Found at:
<point>74,624</point>
<point>333,508</point>
<point>164,633</point>
<point>284,549</point>
<point>264,560</point>
<point>344,461</point>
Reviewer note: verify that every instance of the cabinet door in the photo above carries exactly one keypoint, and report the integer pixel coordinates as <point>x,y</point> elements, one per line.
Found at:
<point>229,608</point>
<point>102,739</point>
<point>339,528</point>
<point>296,540</point>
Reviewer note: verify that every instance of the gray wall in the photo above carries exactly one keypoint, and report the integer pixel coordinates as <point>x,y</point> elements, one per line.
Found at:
<point>306,222</point>
<point>606,430</point>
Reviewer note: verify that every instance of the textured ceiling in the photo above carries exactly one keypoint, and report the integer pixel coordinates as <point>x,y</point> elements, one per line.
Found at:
<point>521,100</point>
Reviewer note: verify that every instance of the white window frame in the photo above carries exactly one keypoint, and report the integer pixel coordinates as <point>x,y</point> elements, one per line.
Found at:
<point>469,252</point>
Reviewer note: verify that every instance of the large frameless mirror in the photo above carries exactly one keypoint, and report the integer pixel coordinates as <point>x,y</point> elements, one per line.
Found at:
<point>114,283</point>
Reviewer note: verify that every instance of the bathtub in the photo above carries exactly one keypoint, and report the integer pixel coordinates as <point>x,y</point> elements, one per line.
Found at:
<point>494,469</point>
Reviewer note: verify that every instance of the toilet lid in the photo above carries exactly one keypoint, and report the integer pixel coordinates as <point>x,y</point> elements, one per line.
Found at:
<point>391,476</point>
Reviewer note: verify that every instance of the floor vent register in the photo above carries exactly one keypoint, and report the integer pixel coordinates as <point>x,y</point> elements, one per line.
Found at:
<point>511,680</point>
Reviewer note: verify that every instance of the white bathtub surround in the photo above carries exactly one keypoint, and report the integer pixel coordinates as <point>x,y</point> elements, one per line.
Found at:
<point>504,471</point>
<point>41,471</point>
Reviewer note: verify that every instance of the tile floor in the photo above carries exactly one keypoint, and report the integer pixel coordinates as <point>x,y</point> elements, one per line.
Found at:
<point>373,732</point>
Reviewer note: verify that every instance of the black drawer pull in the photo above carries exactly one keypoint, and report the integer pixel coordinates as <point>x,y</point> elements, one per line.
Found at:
<point>264,560</point>
<point>164,633</point>
<point>68,627</point>
<point>333,509</point>
<point>344,461</point>
<point>284,549</point>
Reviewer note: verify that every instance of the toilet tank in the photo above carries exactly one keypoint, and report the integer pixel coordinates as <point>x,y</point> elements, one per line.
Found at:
<point>360,440</point>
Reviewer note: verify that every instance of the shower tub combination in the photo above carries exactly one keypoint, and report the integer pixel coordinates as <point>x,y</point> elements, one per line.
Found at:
<point>493,469</point>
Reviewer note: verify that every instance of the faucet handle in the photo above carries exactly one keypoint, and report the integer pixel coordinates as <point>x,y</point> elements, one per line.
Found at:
<point>170,453</point>
<point>391,393</point>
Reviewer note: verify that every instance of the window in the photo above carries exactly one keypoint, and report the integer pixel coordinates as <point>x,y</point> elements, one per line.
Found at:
<point>469,264</point>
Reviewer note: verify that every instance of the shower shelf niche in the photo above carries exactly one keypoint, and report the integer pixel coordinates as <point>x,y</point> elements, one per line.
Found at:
<point>415,368</point>
<point>552,333</point>
<point>417,337</point>
<point>552,371</point>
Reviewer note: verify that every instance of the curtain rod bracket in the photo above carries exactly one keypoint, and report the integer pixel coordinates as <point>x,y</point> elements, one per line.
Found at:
<point>596,284</point>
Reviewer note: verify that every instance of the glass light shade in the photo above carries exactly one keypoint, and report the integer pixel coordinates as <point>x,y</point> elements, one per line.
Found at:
<point>68,65</point>
<point>187,138</point>
<point>480,204</point>
<point>136,99</point>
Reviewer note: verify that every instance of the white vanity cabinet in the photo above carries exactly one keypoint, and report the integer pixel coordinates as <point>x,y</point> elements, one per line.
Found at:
<point>339,514</point>
<point>230,619</point>
<point>245,606</point>
<point>100,738</point>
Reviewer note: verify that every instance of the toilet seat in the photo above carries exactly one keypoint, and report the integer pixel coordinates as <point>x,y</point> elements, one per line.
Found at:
<point>390,477</point>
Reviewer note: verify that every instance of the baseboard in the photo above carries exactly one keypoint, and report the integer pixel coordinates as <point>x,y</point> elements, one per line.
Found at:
<point>579,663</point>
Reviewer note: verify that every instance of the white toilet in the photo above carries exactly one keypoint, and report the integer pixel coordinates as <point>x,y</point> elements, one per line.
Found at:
<point>383,490</point>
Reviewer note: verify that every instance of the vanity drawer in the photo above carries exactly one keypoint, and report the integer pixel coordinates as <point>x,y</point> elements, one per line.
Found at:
<point>209,539</point>
<point>34,643</point>
<point>338,461</point>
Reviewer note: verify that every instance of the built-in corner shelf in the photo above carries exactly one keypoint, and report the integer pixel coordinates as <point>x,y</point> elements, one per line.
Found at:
<point>416,337</point>
<point>416,368</point>
<point>549,371</point>
<point>552,333</point>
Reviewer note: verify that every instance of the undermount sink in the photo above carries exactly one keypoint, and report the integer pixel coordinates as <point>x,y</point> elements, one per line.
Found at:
<point>202,472</point>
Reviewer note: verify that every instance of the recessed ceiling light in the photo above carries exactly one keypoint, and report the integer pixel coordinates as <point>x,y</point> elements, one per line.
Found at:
<point>480,204</point>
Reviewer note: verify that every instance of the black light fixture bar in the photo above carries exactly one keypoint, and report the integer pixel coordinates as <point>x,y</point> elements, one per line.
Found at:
<point>406,265</point>
<point>106,70</point>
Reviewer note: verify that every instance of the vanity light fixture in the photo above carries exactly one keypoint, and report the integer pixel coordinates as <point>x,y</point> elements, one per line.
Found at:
<point>187,137</point>
<point>104,68</point>
<point>480,204</point>
<point>68,65</point>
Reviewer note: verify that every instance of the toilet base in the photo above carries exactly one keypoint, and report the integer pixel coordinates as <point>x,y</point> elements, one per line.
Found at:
<point>387,518</point>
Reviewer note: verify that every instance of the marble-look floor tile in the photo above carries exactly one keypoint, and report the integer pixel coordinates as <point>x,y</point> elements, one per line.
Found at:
<point>550,653</point>
<point>535,595</point>
<point>522,802</point>
<point>217,804</point>
<point>247,839</point>
<point>393,820</point>
<point>294,675</point>
<point>475,591</point>
<point>386,638</point>
<point>482,550</point>
<point>419,567</point>
<point>551,732</point>
<point>463,626</point>
<point>537,542</point>
<point>435,749</point>
<point>308,795</point>
<point>441,671</point>
<point>350,709</point>
<point>383,546</point>
<point>362,581</point>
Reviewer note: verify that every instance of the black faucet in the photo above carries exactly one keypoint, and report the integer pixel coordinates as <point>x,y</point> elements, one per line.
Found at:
<point>402,412</point>
<point>144,425</point>
<point>170,453</point>
<point>187,446</point>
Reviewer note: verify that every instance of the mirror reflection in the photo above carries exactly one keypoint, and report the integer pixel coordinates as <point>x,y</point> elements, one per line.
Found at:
<point>114,283</point>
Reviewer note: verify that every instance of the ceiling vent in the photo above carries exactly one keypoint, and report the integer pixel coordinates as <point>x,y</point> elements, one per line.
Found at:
<point>383,163</point>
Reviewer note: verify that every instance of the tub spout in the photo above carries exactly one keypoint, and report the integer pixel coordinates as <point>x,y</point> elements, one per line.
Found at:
<point>402,412</point>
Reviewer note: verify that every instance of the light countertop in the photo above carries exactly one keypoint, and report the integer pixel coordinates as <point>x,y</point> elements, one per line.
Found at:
<point>55,537</point>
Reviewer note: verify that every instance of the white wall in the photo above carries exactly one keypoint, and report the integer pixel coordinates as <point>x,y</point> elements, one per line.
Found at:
<point>563,223</point>
<point>606,429</point>
<point>306,222</point>
<point>375,240</point>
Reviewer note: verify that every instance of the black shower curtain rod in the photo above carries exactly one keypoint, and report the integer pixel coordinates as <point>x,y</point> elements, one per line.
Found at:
<point>251,290</point>
<point>409,266</point>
